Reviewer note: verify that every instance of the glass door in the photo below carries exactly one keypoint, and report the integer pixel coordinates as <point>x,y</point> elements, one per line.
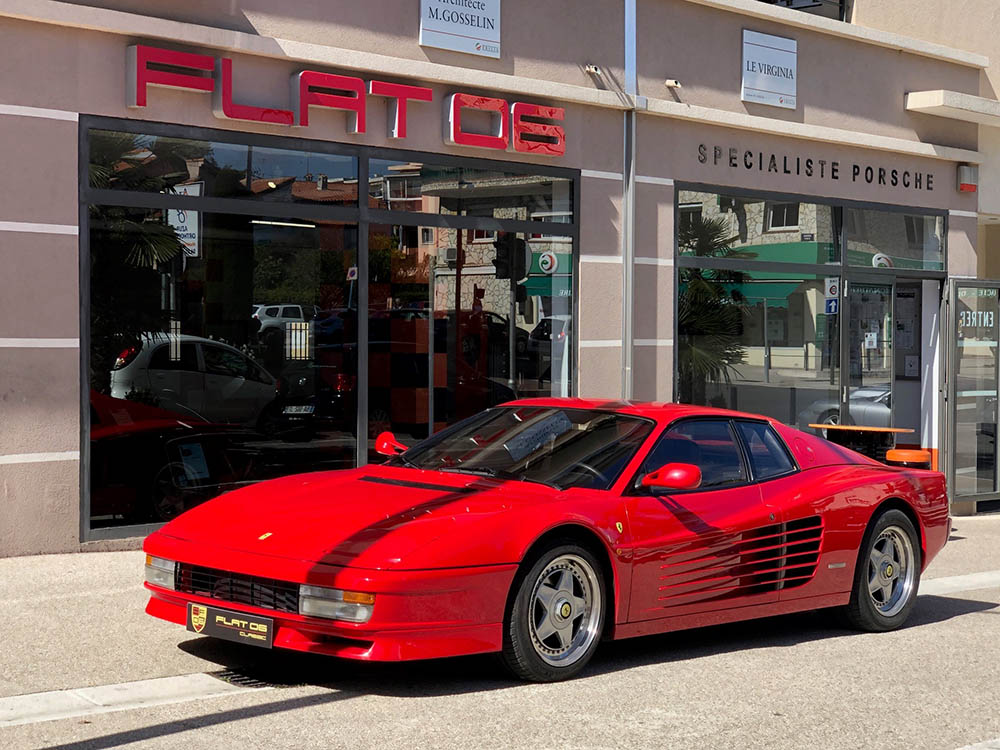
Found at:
<point>868,352</point>
<point>973,389</point>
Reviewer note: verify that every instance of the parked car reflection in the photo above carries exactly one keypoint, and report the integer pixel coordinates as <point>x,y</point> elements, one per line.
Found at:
<point>194,376</point>
<point>871,407</point>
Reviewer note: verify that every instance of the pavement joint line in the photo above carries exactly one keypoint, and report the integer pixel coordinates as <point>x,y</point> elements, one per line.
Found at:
<point>956,584</point>
<point>72,595</point>
<point>76,702</point>
<point>986,745</point>
<point>78,694</point>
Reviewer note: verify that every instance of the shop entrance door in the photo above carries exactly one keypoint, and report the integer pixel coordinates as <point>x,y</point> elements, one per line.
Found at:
<point>972,391</point>
<point>867,353</point>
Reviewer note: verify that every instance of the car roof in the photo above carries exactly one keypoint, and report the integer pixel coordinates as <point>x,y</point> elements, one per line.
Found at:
<point>661,411</point>
<point>159,337</point>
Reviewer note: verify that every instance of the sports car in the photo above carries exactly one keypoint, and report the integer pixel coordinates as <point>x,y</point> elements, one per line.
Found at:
<point>541,527</point>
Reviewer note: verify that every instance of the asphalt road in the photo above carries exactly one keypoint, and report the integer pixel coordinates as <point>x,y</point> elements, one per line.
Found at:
<point>76,621</point>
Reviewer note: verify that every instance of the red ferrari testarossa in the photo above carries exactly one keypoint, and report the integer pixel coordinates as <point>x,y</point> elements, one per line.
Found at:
<point>537,528</point>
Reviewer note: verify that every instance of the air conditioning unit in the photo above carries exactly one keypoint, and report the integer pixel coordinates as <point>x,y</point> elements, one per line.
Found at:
<point>451,254</point>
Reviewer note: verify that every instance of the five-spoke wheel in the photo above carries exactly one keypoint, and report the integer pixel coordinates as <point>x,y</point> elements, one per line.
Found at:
<point>557,615</point>
<point>887,575</point>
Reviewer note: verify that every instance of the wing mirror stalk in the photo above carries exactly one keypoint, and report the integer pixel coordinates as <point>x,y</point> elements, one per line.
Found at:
<point>674,477</point>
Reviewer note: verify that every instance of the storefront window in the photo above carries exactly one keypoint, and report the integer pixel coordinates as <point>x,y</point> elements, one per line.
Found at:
<point>223,336</point>
<point>883,239</point>
<point>758,342</point>
<point>723,226</point>
<point>465,191</point>
<point>146,163</point>
<point>215,361</point>
<point>435,356</point>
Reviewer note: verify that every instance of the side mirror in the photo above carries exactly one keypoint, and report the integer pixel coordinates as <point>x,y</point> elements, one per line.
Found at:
<point>674,477</point>
<point>387,445</point>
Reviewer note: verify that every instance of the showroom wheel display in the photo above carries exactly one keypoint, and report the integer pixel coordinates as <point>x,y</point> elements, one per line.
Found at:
<point>556,618</point>
<point>887,574</point>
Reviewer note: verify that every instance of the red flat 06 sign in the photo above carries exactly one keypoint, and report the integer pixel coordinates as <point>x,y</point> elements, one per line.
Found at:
<point>515,126</point>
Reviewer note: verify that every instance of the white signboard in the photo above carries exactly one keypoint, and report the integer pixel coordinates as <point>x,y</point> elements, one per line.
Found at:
<point>832,287</point>
<point>769,69</point>
<point>471,26</point>
<point>185,223</point>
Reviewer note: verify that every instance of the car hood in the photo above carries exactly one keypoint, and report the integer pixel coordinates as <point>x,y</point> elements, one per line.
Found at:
<point>374,517</point>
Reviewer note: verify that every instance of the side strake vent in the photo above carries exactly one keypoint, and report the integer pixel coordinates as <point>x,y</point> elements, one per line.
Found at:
<point>769,558</point>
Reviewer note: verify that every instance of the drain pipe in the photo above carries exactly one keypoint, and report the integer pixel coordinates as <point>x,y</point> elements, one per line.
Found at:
<point>628,199</point>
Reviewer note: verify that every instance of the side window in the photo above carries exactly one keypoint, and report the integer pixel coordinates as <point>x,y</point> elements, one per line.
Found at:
<point>161,359</point>
<point>708,444</point>
<point>291,311</point>
<point>219,361</point>
<point>271,312</point>
<point>768,456</point>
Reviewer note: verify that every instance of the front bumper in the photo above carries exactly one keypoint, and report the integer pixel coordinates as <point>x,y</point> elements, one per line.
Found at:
<point>418,614</point>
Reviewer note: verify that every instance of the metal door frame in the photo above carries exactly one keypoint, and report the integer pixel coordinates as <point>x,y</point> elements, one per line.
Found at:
<point>950,419</point>
<point>850,277</point>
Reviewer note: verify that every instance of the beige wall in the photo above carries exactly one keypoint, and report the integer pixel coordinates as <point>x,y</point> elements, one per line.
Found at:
<point>39,299</point>
<point>536,39</point>
<point>842,83</point>
<point>673,151</point>
<point>969,24</point>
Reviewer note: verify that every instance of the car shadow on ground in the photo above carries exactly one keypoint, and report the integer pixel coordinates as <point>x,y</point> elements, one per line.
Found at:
<point>344,680</point>
<point>473,674</point>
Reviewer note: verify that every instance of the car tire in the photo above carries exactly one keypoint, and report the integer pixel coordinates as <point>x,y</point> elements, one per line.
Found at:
<point>556,617</point>
<point>168,501</point>
<point>887,574</point>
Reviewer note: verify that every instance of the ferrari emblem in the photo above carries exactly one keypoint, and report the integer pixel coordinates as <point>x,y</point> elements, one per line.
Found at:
<point>198,617</point>
<point>566,610</point>
<point>888,570</point>
<point>264,536</point>
<point>619,527</point>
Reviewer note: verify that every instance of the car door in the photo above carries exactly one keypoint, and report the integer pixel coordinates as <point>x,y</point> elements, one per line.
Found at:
<point>233,388</point>
<point>698,550</point>
<point>176,380</point>
<point>798,545</point>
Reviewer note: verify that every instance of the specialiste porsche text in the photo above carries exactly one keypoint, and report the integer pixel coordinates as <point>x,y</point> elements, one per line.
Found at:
<point>824,169</point>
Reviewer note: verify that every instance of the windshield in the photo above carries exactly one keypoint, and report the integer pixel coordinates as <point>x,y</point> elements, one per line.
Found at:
<point>559,447</point>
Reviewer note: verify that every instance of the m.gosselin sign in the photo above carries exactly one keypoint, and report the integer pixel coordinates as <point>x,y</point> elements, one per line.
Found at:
<point>516,126</point>
<point>750,160</point>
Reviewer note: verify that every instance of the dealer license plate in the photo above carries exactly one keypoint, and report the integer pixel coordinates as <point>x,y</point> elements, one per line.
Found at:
<point>230,626</point>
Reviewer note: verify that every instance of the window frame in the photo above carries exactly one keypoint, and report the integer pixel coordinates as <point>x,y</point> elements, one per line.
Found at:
<point>634,488</point>
<point>360,215</point>
<point>769,207</point>
<point>749,457</point>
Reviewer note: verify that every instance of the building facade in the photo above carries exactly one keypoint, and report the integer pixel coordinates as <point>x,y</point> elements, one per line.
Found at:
<point>250,242</point>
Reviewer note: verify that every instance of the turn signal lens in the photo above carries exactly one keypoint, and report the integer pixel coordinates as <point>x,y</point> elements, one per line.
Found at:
<point>334,604</point>
<point>355,597</point>
<point>160,571</point>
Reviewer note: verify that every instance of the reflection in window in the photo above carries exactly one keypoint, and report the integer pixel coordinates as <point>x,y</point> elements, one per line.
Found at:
<point>755,229</point>
<point>468,191</point>
<point>886,239</point>
<point>757,342</point>
<point>205,372</point>
<point>782,216</point>
<point>463,320</point>
<point>146,163</point>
